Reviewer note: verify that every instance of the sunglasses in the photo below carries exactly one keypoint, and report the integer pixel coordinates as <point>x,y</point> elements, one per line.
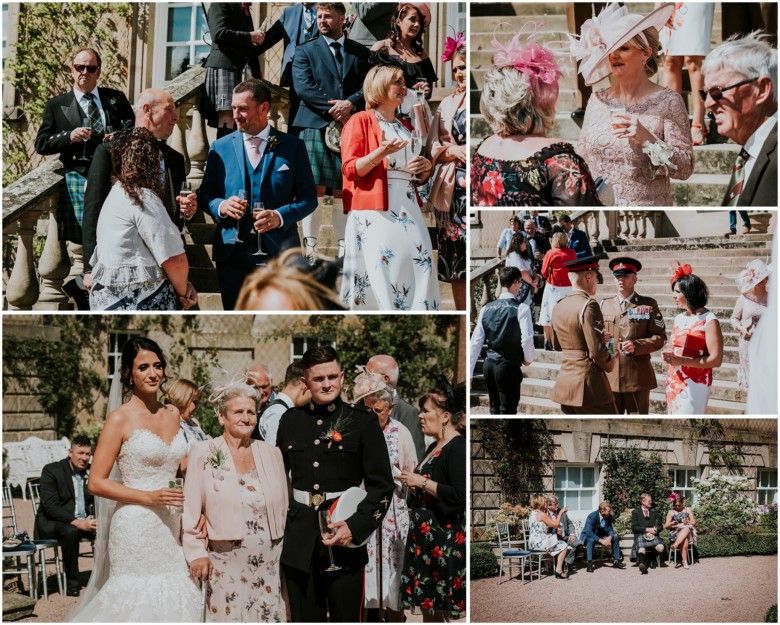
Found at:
<point>90,69</point>
<point>716,93</point>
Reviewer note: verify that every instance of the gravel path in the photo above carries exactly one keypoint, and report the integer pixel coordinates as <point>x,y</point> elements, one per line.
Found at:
<point>736,589</point>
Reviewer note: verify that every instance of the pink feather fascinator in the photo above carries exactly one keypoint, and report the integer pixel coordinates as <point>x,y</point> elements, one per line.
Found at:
<point>451,46</point>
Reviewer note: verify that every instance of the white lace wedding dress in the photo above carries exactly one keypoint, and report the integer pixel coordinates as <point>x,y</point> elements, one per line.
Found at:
<point>148,579</point>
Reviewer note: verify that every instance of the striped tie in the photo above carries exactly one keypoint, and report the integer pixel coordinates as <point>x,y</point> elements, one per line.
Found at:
<point>93,115</point>
<point>737,181</point>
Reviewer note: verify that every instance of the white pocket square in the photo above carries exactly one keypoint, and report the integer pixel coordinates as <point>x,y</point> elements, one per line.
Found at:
<point>284,167</point>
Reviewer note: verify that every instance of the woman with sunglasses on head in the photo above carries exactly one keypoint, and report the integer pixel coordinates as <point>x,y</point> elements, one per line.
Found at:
<point>635,133</point>
<point>695,347</point>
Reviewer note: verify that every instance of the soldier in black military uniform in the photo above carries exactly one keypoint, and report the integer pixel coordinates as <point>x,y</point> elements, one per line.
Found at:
<point>330,446</point>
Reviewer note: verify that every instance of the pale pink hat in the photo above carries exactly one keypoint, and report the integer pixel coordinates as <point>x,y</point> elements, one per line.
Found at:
<point>750,276</point>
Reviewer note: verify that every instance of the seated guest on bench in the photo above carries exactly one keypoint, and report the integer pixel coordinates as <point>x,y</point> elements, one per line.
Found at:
<point>65,503</point>
<point>646,525</point>
<point>598,529</point>
<point>565,531</point>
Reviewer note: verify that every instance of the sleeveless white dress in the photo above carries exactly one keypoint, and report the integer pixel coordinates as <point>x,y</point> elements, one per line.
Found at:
<point>148,576</point>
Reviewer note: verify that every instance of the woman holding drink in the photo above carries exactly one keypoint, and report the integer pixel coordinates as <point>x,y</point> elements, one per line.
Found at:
<point>682,527</point>
<point>635,133</point>
<point>240,486</point>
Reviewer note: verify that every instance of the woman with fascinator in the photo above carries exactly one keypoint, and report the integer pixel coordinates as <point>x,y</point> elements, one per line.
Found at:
<point>750,307</point>
<point>695,347</point>
<point>139,574</point>
<point>635,133</point>
<point>519,165</point>
<point>434,570</point>
<point>446,148</point>
<point>377,396</point>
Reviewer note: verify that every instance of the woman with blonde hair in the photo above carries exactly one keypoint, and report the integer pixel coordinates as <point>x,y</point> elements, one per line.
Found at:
<point>540,539</point>
<point>185,395</point>
<point>557,278</point>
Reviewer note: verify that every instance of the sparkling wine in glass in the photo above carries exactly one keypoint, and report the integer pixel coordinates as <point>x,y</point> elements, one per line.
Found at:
<point>178,484</point>
<point>419,91</point>
<point>88,128</point>
<point>415,145</point>
<point>186,190</point>
<point>257,208</point>
<point>327,532</point>
<point>242,197</point>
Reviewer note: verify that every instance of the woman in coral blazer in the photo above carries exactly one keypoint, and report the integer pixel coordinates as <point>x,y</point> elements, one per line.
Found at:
<point>388,259</point>
<point>240,485</point>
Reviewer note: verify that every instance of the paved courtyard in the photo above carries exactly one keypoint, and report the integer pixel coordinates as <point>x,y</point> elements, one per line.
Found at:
<point>735,589</point>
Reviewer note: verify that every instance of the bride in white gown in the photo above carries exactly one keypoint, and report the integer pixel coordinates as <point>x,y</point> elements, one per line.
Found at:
<point>140,572</point>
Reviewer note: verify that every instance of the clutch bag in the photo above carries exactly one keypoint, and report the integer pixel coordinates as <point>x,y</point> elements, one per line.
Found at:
<point>695,345</point>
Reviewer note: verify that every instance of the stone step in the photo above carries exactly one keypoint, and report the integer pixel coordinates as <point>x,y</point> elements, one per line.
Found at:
<point>655,289</point>
<point>730,352</point>
<point>696,241</point>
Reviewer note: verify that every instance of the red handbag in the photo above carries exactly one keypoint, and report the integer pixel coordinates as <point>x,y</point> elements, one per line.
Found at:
<point>695,346</point>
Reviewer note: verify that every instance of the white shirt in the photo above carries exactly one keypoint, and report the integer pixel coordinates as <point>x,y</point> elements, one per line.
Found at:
<point>756,142</point>
<point>526,332</point>
<point>269,420</point>
<point>340,40</point>
<point>96,99</point>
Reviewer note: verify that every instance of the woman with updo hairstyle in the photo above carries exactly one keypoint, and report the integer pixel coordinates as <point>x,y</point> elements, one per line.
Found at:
<point>185,395</point>
<point>695,347</point>
<point>434,572</point>
<point>519,165</point>
<point>636,134</point>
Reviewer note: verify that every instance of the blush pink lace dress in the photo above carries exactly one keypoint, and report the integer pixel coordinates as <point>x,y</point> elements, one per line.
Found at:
<point>628,169</point>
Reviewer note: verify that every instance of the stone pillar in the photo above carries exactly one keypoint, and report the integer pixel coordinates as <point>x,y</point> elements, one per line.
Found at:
<point>623,224</point>
<point>635,230</point>
<point>198,148</point>
<point>177,141</point>
<point>23,290</point>
<point>53,266</point>
<point>642,221</point>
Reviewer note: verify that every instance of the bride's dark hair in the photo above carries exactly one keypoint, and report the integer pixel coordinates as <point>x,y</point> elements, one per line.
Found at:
<point>129,352</point>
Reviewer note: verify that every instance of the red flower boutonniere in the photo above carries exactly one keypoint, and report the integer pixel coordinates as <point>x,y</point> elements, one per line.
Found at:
<point>336,433</point>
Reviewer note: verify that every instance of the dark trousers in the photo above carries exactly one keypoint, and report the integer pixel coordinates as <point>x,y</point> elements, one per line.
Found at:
<point>590,542</point>
<point>733,220</point>
<point>637,402</point>
<point>69,537</point>
<point>602,409</point>
<point>503,383</point>
<point>576,14</point>
<point>232,272</point>
<point>314,595</point>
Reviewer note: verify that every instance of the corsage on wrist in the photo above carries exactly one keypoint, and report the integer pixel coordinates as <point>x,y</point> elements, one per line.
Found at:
<point>660,157</point>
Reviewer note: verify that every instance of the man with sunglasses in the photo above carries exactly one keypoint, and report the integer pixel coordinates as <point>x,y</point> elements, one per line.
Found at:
<point>582,386</point>
<point>74,125</point>
<point>740,89</point>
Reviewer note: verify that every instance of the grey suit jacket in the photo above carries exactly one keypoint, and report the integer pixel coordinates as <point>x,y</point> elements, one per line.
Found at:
<point>410,417</point>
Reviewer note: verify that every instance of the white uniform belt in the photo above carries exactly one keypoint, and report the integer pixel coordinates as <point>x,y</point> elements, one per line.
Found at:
<point>313,499</point>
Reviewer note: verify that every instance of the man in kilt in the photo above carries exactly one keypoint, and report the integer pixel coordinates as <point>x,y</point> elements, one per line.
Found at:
<point>328,74</point>
<point>646,525</point>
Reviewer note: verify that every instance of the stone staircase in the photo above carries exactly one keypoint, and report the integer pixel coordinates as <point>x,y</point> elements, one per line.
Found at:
<point>707,185</point>
<point>715,260</point>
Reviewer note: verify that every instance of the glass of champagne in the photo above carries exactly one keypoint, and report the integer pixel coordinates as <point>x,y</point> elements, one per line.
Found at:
<point>257,208</point>
<point>415,145</point>
<point>242,197</point>
<point>419,91</point>
<point>186,190</point>
<point>616,113</point>
<point>327,532</point>
<point>178,484</point>
<point>88,128</point>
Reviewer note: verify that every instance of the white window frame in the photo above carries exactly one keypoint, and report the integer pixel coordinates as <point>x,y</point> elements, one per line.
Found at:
<point>116,340</point>
<point>766,489</point>
<point>161,43</point>
<point>456,12</point>
<point>688,491</point>
<point>579,515</point>
<point>306,340</point>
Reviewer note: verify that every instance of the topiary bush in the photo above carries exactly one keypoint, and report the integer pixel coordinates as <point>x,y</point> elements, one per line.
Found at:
<point>483,561</point>
<point>771,615</point>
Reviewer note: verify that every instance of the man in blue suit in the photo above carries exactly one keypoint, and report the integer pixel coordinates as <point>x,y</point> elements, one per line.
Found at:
<point>297,25</point>
<point>328,73</point>
<point>598,529</point>
<point>578,240</point>
<point>271,167</point>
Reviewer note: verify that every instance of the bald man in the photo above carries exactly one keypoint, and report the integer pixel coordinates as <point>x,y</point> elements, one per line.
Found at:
<point>259,376</point>
<point>408,415</point>
<point>155,111</point>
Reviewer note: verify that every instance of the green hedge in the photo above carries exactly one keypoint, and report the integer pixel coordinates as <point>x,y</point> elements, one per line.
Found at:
<point>736,545</point>
<point>771,615</point>
<point>483,561</point>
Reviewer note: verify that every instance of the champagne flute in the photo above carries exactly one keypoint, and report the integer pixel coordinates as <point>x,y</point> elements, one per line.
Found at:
<point>257,208</point>
<point>419,91</point>
<point>178,484</point>
<point>186,190</point>
<point>415,145</point>
<point>615,113</point>
<point>88,128</point>
<point>242,197</point>
<point>327,532</point>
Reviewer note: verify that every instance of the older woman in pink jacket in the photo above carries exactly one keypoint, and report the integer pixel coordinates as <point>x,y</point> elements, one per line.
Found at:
<point>240,485</point>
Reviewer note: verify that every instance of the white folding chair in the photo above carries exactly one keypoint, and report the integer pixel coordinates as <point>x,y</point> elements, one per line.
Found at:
<point>673,553</point>
<point>42,544</point>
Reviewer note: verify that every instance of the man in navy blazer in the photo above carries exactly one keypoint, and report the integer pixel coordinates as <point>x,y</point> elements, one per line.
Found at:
<point>598,529</point>
<point>578,240</point>
<point>271,167</point>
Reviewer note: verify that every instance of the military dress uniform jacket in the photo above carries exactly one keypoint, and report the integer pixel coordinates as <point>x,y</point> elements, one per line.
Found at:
<point>319,465</point>
<point>645,326</point>
<point>578,328</point>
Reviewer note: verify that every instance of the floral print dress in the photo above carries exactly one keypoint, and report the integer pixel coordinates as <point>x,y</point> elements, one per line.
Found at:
<point>246,584</point>
<point>388,263</point>
<point>554,176</point>
<point>452,231</point>
<point>688,389</point>
<point>434,572</point>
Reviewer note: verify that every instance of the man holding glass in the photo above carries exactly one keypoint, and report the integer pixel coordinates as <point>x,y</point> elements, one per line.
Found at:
<point>328,447</point>
<point>74,124</point>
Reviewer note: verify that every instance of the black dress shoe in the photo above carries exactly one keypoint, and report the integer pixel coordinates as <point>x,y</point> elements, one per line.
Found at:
<point>590,567</point>
<point>618,564</point>
<point>79,296</point>
<point>548,346</point>
<point>73,592</point>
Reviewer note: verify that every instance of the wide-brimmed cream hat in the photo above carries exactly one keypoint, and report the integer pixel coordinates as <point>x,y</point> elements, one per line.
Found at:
<point>750,276</point>
<point>602,35</point>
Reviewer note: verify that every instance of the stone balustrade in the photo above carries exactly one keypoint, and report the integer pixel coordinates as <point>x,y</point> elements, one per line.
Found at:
<point>30,204</point>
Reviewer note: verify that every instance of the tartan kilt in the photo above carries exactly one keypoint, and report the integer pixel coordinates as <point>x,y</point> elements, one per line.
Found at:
<point>217,93</point>
<point>70,207</point>
<point>643,543</point>
<point>325,165</point>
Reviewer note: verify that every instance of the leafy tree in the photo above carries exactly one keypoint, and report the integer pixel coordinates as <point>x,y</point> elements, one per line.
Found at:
<point>629,472</point>
<point>711,432</point>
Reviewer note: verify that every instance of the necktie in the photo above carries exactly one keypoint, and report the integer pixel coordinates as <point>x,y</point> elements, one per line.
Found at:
<point>93,115</point>
<point>254,151</point>
<point>737,178</point>
<point>623,305</point>
<point>337,53</point>
<point>308,22</point>
<point>647,514</point>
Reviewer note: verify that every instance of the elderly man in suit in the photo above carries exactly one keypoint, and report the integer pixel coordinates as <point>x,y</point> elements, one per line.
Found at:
<point>269,167</point>
<point>328,73</point>
<point>582,386</point>
<point>598,529</point>
<point>66,508</point>
<point>636,327</point>
<point>646,524</point>
<point>565,531</point>
<point>297,25</point>
<point>740,88</point>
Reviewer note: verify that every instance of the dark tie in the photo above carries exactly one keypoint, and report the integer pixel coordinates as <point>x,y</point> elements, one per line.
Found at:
<point>337,53</point>
<point>93,115</point>
<point>737,181</point>
<point>647,514</point>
